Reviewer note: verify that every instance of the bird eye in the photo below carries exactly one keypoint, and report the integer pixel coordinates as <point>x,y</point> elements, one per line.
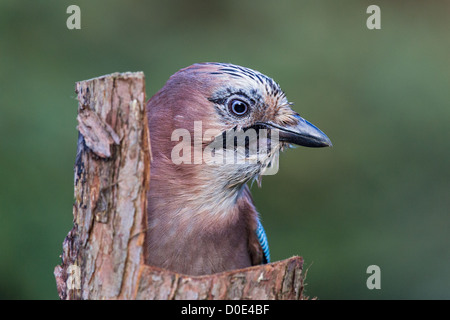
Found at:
<point>238,107</point>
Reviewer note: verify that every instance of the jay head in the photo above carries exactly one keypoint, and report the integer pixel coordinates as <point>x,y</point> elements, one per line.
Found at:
<point>213,128</point>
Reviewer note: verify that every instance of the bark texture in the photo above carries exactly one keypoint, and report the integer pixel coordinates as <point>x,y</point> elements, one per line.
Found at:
<point>103,254</point>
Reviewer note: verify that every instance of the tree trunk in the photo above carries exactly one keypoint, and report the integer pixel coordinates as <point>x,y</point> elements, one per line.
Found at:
<point>103,254</point>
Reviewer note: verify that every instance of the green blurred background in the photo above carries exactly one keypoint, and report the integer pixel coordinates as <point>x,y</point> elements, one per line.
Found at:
<point>379,196</point>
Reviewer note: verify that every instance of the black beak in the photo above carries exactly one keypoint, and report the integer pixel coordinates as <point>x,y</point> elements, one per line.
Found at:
<point>302,133</point>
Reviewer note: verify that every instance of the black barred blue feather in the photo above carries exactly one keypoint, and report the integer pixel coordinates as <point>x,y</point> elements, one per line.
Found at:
<point>262,238</point>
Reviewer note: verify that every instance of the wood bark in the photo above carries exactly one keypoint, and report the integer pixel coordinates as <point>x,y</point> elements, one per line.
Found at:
<point>103,254</point>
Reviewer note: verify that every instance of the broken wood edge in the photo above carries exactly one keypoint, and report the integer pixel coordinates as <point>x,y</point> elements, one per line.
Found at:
<point>280,280</point>
<point>86,272</point>
<point>115,75</point>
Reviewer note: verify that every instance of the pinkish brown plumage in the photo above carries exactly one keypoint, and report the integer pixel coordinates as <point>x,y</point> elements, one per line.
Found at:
<point>201,217</point>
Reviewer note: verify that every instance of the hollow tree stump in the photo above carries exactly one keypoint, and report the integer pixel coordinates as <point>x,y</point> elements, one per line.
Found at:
<point>103,254</point>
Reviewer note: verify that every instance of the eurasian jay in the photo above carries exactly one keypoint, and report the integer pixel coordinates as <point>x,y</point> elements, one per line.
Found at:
<point>201,216</point>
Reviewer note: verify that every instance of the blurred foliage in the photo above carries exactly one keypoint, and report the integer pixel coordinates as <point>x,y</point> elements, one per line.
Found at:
<point>379,196</point>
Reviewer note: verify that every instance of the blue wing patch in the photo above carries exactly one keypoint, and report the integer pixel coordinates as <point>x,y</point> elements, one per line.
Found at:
<point>262,238</point>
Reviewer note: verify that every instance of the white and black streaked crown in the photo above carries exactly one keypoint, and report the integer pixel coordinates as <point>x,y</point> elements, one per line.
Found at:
<point>235,71</point>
